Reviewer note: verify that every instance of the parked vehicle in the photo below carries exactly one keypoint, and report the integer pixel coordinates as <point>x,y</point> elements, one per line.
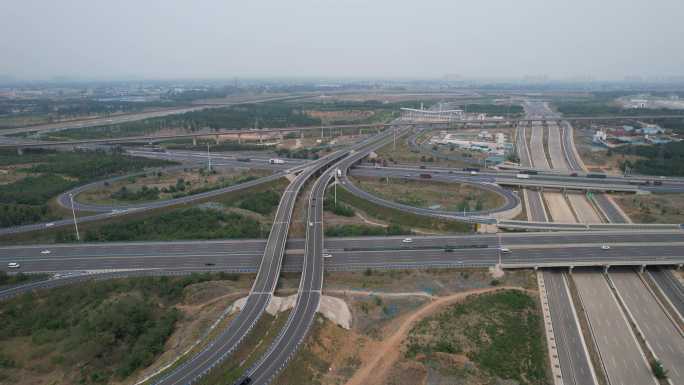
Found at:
<point>599,176</point>
<point>13,265</point>
<point>522,176</point>
<point>276,161</point>
<point>426,176</point>
<point>243,159</point>
<point>407,240</point>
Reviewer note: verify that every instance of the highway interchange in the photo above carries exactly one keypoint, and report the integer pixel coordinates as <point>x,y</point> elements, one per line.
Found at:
<point>528,250</point>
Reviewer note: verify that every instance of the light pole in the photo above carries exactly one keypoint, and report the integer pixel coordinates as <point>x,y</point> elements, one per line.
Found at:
<point>209,158</point>
<point>73,211</point>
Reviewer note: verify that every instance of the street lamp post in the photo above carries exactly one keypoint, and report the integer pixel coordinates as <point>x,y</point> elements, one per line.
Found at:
<point>73,211</point>
<point>209,158</point>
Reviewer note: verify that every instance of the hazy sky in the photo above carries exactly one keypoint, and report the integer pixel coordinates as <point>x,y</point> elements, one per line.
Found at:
<point>340,38</point>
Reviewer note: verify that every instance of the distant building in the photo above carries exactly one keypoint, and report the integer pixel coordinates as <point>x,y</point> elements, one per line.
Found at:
<point>652,130</point>
<point>600,137</point>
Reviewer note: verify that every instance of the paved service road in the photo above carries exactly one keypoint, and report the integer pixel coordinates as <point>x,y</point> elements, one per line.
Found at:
<point>620,353</point>
<point>659,331</point>
<point>671,287</point>
<point>576,367</point>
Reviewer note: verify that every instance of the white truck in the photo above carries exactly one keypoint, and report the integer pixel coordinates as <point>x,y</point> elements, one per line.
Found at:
<point>276,161</point>
<point>522,176</point>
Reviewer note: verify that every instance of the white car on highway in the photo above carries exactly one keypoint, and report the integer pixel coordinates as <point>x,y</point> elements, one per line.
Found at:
<point>13,265</point>
<point>504,250</point>
<point>45,252</point>
<point>407,240</point>
<point>327,255</point>
<point>605,247</point>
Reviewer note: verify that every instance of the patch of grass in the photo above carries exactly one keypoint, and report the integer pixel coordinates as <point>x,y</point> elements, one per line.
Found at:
<point>193,223</point>
<point>401,218</point>
<point>263,202</point>
<point>15,279</point>
<point>500,332</point>
<point>365,230</point>
<point>425,193</point>
<point>97,331</point>
<point>51,173</point>
<point>64,234</point>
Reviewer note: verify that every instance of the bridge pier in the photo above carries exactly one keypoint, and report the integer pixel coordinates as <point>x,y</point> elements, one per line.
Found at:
<point>679,266</point>
<point>20,151</point>
<point>280,135</point>
<point>194,141</point>
<point>216,138</point>
<point>605,269</point>
<point>536,268</point>
<point>261,138</point>
<point>301,134</point>
<point>570,269</point>
<point>642,268</point>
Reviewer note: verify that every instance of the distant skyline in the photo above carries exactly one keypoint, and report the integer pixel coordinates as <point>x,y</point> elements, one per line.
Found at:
<point>490,39</point>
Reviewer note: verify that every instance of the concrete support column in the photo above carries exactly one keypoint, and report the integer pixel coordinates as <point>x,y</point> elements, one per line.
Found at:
<point>641,268</point>
<point>261,138</point>
<point>605,269</point>
<point>280,135</point>
<point>216,138</point>
<point>194,141</point>
<point>301,134</point>
<point>679,267</point>
<point>239,138</point>
<point>20,151</point>
<point>536,268</point>
<point>570,269</point>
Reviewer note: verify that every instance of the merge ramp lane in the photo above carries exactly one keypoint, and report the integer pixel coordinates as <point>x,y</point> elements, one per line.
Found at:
<point>576,367</point>
<point>311,282</point>
<point>670,287</point>
<point>308,294</point>
<point>260,294</point>
<point>621,355</point>
<point>659,331</point>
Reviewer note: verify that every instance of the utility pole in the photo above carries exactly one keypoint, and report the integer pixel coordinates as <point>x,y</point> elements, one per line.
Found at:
<point>209,158</point>
<point>394,147</point>
<point>73,211</point>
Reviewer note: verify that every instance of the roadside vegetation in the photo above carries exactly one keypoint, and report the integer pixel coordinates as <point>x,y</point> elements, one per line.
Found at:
<point>426,194</point>
<point>260,115</point>
<point>46,174</point>
<point>352,230</point>
<point>26,112</point>
<point>653,208</point>
<point>400,218</point>
<point>15,279</point>
<point>664,159</point>
<point>486,339</point>
<point>167,184</point>
<point>91,333</point>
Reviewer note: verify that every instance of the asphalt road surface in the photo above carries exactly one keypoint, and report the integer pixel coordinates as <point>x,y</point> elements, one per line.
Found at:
<point>622,358</point>
<point>662,335</point>
<point>576,367</point>
<point>671,287</point>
